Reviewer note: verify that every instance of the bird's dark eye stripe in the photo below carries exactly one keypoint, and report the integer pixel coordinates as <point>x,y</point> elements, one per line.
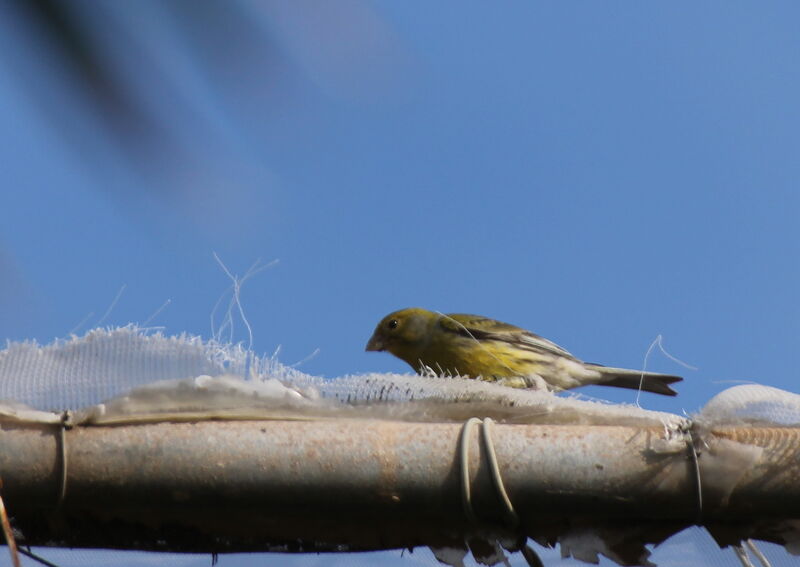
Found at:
<point>393,324</point>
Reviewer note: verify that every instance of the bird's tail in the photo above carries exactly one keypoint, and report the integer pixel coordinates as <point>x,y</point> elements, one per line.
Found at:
<point>636,380</point>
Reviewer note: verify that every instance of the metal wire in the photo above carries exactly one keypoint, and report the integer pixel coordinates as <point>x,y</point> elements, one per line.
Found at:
<point>66,423</point>
<point>512,519</point>
<point>741,554</point>
<point>466,496</point>
<point>698,480</point>
<point>757,552</point>
<point>38,558</point>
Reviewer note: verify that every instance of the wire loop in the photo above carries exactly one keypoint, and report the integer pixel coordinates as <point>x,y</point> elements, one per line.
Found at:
<point>511,517</point>
<point>698,483</point>
<point>66,423</point>
<point>466,496</point>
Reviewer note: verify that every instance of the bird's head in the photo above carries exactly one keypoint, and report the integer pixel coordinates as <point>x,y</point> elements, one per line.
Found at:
<point>403,333</point>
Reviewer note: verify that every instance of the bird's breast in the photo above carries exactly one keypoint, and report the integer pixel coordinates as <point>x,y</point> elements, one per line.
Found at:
<point>467,357</point>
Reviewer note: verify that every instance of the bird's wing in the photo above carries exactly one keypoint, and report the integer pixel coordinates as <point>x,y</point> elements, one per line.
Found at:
<point>483,328</point>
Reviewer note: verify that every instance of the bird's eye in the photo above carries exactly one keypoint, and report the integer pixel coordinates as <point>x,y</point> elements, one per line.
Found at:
<point>393,324</point>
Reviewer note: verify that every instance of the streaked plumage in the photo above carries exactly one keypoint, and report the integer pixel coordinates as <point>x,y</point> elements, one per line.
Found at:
<point>475,346</point>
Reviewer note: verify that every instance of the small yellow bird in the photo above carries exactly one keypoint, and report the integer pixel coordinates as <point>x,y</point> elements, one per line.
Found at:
<point>478,347</point>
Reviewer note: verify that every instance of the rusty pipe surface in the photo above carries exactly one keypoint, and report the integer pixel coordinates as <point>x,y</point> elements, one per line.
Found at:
<point>358,484</point>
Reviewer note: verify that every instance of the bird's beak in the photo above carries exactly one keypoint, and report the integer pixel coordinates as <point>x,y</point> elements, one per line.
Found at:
<point>375,344</point>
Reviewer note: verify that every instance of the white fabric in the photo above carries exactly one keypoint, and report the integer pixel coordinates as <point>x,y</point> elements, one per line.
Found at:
<point>80,371</point>
<point>752,403</point>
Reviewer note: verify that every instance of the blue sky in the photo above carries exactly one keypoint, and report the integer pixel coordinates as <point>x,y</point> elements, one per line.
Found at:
<point>598,173</point>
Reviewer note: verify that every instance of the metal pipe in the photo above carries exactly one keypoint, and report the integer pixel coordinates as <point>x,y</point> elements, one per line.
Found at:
<point>359,484</point>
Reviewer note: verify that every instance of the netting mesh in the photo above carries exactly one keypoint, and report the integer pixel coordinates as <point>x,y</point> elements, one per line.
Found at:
<point>126,373</point>
<point>112,376</point>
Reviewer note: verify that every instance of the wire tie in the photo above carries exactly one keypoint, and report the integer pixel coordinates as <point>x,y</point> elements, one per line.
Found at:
<point>66,423</point>
<point>750,544</point>
<point>466,496</point>
<point>512,519</point>
<point>698,481</point>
